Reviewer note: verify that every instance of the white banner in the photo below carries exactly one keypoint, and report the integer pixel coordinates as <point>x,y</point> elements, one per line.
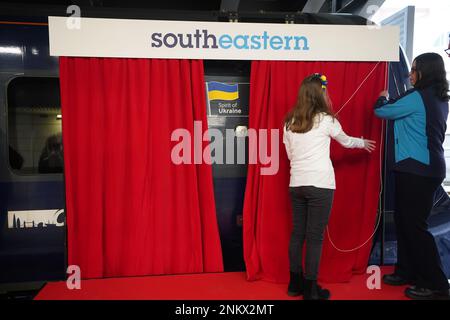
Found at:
<point>35,218</point>
<point>92,37</point>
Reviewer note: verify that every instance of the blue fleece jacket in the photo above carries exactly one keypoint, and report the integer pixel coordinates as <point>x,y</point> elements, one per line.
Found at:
<point>420,122</point>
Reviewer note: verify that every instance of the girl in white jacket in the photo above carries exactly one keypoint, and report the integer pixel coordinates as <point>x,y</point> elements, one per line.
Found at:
<point>308,129</point>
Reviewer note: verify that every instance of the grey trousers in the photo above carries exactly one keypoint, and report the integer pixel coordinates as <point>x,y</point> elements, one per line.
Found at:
<point>311,208</point>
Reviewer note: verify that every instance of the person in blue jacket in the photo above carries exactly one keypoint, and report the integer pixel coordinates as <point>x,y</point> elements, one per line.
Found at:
<point>420,123</point>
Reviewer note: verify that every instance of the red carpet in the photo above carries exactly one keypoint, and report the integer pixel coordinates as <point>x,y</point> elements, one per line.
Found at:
<point>210,286</point>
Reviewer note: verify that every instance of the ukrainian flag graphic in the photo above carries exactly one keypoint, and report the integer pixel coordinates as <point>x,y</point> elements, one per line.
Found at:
<point>222,91</point>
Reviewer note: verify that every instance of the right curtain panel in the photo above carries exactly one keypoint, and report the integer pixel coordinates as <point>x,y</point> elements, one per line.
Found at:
<point>353,88</point>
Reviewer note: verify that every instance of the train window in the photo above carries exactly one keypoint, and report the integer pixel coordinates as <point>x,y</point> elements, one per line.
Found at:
<point>34,125</point>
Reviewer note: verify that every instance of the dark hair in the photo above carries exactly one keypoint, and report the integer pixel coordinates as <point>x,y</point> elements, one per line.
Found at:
<point>431,72</point>
<point>311,100</point>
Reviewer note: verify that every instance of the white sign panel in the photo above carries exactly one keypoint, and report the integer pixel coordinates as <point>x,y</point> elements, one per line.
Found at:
<point>35,218</point>
<point>92,37</point>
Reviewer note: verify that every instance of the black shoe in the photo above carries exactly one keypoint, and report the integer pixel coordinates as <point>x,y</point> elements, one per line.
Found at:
<point>315,292</point>
<point>395,280</point>
<point>418,293</point>
<point>296,284</point>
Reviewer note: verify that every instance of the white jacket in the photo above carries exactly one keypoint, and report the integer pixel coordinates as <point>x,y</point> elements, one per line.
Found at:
<point>309,153</point>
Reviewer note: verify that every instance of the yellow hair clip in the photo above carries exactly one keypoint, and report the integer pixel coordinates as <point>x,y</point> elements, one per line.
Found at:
<point>323,79</point>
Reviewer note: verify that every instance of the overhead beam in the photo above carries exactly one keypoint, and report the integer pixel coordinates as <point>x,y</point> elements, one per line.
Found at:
<point>335,5</point>
<point>351,6</point>
<point>313,6</point>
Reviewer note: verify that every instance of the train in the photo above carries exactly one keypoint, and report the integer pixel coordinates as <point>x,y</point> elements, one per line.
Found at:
<point>33,236</point>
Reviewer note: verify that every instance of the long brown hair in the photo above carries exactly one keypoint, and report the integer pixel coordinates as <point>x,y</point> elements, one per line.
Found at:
<point>311,100</point>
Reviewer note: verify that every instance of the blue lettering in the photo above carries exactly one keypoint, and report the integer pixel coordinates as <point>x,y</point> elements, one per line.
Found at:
<point>305,43</point>
<point>225,41</point>
<point>256,42</point>
<point>265,38</point>
<point>287,39</point>
<point>239,37</point>
<point>276,43</point>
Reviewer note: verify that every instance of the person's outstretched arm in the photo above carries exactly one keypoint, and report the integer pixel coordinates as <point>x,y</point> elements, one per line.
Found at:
<point>398,108</point>
<point>337,133</point>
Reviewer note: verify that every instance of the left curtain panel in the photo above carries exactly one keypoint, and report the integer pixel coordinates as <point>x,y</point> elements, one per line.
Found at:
<point>130,210</point>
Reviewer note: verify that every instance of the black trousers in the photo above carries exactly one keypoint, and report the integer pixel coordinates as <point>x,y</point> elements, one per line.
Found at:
<point>311,208</point>
<point>417,256</point>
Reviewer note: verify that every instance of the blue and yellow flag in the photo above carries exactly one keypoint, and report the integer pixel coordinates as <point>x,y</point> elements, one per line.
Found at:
<point>222,91</point>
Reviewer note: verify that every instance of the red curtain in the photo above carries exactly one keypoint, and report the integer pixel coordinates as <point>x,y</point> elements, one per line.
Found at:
<point>130,210</point>
<point>267,208</point>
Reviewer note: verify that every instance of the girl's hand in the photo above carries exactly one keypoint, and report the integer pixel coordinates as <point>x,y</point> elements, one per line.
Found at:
<point>384,93</point>
<point>369,145</point>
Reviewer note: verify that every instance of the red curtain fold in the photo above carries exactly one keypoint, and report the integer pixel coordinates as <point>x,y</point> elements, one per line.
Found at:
<point>267,208</point>
<point>130,210</point>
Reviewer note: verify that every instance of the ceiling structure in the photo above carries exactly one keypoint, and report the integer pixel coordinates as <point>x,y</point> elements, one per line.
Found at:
<point>233,8</point>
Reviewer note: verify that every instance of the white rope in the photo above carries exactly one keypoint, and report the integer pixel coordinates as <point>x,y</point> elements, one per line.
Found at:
<point>379,209</point>
<point>381,177</point>
<point>356,91</point>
